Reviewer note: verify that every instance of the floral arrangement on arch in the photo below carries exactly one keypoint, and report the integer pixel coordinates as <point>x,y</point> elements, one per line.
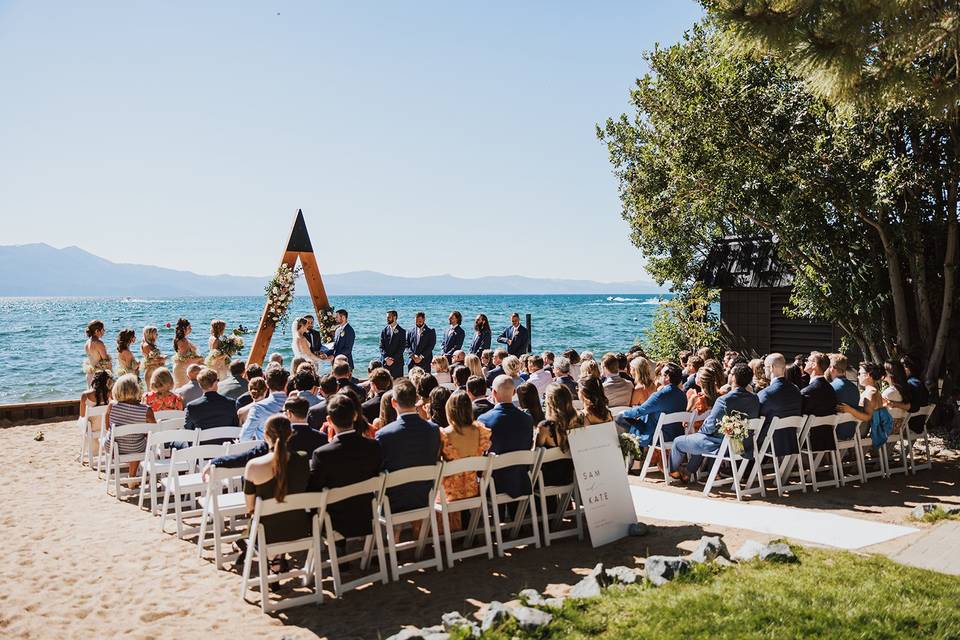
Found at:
<point>326,324</point>
<point>736,426</point>
<point>280,293</point>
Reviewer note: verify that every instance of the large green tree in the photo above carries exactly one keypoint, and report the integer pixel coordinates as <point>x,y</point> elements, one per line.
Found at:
<point>724,142</point>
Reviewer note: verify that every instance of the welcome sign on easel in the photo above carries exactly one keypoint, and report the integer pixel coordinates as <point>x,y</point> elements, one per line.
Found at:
<point>602,480</point>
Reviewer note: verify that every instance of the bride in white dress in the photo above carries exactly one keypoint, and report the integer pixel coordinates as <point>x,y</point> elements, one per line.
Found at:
<point>301,346</point>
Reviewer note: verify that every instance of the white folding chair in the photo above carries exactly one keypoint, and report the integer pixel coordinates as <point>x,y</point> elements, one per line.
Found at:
<point>815,458</point>
<point>659,442</point>
<point>234,448</point>
<point>257,546</point>
<point>156,460</point>
<point>849,444</point>
<point>222,501</point>
<point>910,437</point>
<point>115,458</point>
<point>169,414</point>
<point>185,479</point>
<point>567,497</point>
<point>90,427</point>
<point>615,411</point>
<point>766,451</point>
<point>735,459</point>
<point>477,505</point>
<point>423,515</point>
<point>371,542</point>
<point>217,433</point>
<point>877,455</point>
<point>896,442</point>
<point>530,460</point>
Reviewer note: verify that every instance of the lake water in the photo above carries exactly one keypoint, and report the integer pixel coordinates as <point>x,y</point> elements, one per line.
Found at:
<point>41,339</point>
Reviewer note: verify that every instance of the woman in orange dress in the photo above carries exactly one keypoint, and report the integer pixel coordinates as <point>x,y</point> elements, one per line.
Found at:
<point>161,396</point>
<point>701,402</point>
<point>463,438</point>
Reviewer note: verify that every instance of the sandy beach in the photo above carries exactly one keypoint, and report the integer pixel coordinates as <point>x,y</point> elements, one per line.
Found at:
<point>84,564</point>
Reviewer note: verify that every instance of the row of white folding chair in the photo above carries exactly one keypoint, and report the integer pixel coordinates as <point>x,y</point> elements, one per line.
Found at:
<point>110,457</point>
<point>85,425</point>
<point>185,479</point>
<point>727,454</point>
<point>661,444</point>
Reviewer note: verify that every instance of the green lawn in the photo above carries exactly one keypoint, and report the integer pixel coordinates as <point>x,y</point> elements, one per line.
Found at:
<point>827,595</point>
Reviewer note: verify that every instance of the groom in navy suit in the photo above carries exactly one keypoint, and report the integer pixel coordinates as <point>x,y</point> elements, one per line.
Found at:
<point>515,337</point>
<point>392,343</point>
<point>420,342</point>
<point>453,337</point>
<point>344,337</point>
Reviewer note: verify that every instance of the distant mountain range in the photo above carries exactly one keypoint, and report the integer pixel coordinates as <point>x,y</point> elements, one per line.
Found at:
<point>42,270</point>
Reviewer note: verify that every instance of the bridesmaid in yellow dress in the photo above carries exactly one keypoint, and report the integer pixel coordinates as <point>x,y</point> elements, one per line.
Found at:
<point>126,363</point>
<point>152,358</point>
<point>186,353</point>
<point>216,359</point>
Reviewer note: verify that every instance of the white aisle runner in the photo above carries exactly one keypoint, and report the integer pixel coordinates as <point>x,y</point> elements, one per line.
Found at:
<point>791,522</point>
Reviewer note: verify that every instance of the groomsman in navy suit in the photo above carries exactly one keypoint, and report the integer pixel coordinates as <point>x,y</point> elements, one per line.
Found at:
<point>392,343</point>
<point>515,337</point>
<point>453,337</point>
<point>420,342</point>
<point>344,337</point>
<point>819,399</point>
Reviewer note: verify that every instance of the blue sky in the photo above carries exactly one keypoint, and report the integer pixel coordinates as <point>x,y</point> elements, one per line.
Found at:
<point>419,138</point>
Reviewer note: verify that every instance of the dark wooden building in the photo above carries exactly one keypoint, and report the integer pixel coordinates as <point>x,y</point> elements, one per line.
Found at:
<point>754,290</point>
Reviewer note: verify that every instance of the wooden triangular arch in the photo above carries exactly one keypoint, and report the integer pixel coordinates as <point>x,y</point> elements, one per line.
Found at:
<point>298,247</point>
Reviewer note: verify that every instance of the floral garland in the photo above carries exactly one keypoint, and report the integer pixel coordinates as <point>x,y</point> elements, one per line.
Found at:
<point>326,324</point>
<point>280,294</point>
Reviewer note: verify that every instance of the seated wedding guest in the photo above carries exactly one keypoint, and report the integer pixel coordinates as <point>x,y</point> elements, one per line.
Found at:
<point>275,358</point>
<point>560,418</point>
<point>473,365</point>
<point>424,385</point>
<point>561,369</point>
<point>643,385</point>
<point>463,437</point>
<point>438,403</point>
<point>589,369</point>
<point>694,362</point>
<point>98,395</point>
<point>794,375</point>
<point>528,397</point>
<point>728,359</point>
<point>847,391</point>
<point>586,356</point>
<point>524,367</point>
<point>380,382</point>
<point>618,390</point>
<point>801,361</point>
<point>708,439</point>
<point>190,391</point>
<point>896,393</point>
<point>459,358</point>
<point>294,365</point>
<point>574,358</point>
<point>125,409</point>
<point>263,409</point>
<point>683,358</point>
<point>161,396</point>
<point>596,409</point>
<point>548,358</point>
<point>760,380</point>
<point>642,420</point>
<point>486,361</point>
<point>253,371</point>
<point>360,424</point>
<point>870,406</point>
<point>624,363</point>
<point>441,368</point>
<point>510,430</point>
<point>819,399</point>
<point>460,376</point>
<point>918,396</point>
<point>304,383</point>
<point>373,364</point>
<point>341,371</point>
<point>211,409</point>
<point>235,385</point>
<point>701,400</point>
<point>277,474</point>
<point>706,353</point>
<point>257,390</point>
<point>302,437</point>
<point>480,344</point>
<point>497,361</point>
<point>780,399</point>
<point>409,441</point>
<point>539,377</point>
<point>347,459</point>
<point>387,413</point>
<point>318,413</point>
<point>477,390</point>
<point>511,369</point>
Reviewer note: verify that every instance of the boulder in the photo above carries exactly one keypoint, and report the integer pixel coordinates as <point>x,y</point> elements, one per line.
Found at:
<point>709,549</point>
<point>530,619</point>
<point>622,575</point>
<point>659,570</point>
<point>778,552</point>
<point>588,587</point>
<point>638,529</point>
<point>553,603</point>
<point>922,509</point>
<point>497,614</point>
<point>532,597</point>
<point>453,620</point>
<point>410,633</point>
<point>748,551</point>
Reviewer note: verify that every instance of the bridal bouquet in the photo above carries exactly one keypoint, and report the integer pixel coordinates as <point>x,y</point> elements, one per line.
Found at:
<point>326,324</point>
<point>155,358</point>
<point>230,345</point>
<point>736,426</point>
<point>630,446</point>
<point>280,294</point>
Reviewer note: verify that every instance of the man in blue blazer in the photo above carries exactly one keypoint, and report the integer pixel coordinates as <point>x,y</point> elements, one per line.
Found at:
<point>343,337</point>
<point>819,399</point>
<point>848,392</point>
<point>642,421</point>
<point>453,337</point>
<point>211,409</point>
<point>708,439</point>
<point>780,399</point>
<point>516,337</point>
<point>408,441</point>
<point>511,429</point>
<point>393,340</point>
<point>420,343</point>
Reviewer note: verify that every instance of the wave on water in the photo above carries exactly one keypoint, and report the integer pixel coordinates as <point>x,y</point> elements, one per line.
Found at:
<point>139,301</point>
<point>640,300</point>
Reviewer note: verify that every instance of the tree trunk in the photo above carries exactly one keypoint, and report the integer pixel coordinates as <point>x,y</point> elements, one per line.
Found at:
<point>949,294</point>
<point>897,290</point>
<point>918,259</point>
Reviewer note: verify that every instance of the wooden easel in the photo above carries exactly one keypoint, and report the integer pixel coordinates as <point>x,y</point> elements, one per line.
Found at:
<point>298,247</point>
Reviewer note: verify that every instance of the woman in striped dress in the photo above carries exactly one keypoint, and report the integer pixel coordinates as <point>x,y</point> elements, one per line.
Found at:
<point>126,408</point>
